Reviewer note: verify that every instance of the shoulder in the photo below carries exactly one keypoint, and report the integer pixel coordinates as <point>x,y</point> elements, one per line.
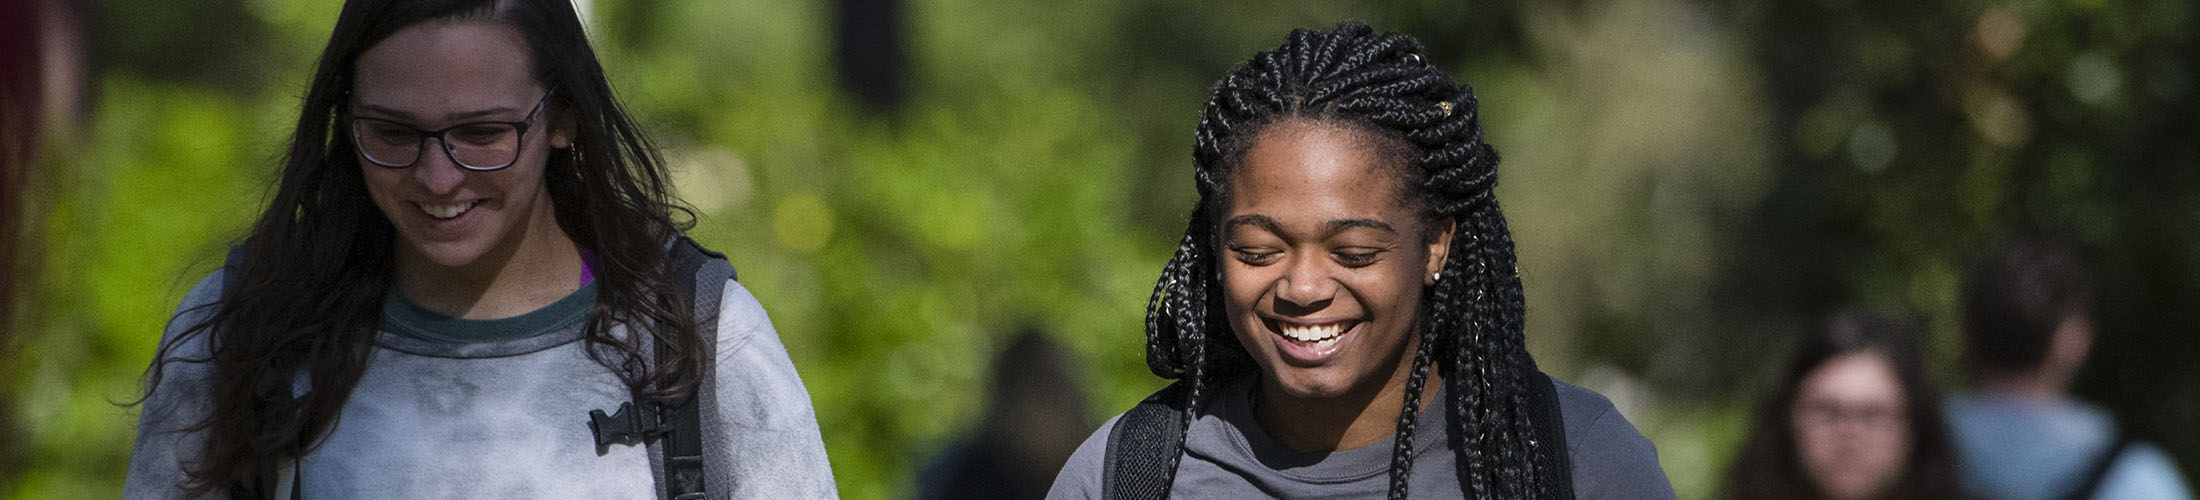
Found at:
<point>1082,475</point>
<point>190,317</point>
<point>198,304</point>
<point>1610,458</point>
<point>743,325</point>
<point>753,366</point>
<point>176,401</point>
<point>2143,471</point>
<point>757,416</point>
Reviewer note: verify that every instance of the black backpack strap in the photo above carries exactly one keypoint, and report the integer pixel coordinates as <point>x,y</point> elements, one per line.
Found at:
<point>1550,433</point>
<point>1144,446</point>
<point>2097,473</point>
<point>231,265</point>
<point>262,488</point>
<point>682,441</point>
<point>674,431</point>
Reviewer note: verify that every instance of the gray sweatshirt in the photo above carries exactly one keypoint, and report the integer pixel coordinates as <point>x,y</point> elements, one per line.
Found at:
<point>1227,455</point>
<point>506,415</point>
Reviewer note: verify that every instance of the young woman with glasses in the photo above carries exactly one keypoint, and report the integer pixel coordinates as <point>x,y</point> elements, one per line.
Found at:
<point>470,282</point>
<point>1852,419</point>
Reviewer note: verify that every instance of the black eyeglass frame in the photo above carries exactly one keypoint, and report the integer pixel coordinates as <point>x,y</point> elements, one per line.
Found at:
<point>519,127</point>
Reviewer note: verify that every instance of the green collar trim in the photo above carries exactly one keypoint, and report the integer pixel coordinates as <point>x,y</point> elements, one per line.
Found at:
<point>405,318</point>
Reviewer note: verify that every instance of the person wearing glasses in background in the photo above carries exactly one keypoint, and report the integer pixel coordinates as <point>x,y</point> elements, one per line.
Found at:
<point>1852,419</point>
<point>470,282</point>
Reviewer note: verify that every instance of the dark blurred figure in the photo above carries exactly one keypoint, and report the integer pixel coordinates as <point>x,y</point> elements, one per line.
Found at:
<point>867,52</point>
<point>18,108</point>
<point>1035,419</point>
<point>42,88</point>
<point>1853,418</point>
<point>2022,436</point>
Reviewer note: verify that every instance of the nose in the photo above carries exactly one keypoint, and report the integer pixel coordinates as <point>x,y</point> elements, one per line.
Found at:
<point>1305,287</point>
<point>436,170</point>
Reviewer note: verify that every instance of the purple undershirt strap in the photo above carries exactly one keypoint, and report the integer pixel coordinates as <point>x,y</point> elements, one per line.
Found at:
<point>588,267</point>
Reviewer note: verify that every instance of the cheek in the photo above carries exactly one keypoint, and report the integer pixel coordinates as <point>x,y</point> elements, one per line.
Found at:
<point>1242,289</point>
<point>1892,450</point>
<point>1241,285</point>
<point>381,182</point>
<point>521,181</point>
<point>1392,288</point>
<point>1814,447</point>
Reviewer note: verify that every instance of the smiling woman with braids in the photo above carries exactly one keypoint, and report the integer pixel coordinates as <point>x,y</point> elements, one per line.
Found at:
<point>1346,262</point>
<point>470,283</point>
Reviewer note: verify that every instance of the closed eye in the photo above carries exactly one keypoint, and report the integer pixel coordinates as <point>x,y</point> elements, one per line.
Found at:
<point>481,135</point>
<point>1358,257</point>
<point>390,133</point>
<point>1255,256</point>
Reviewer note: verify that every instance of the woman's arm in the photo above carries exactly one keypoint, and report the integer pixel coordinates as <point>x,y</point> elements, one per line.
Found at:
<point>180,401</point>
<point>759,430</point>
<point>1080,478</point>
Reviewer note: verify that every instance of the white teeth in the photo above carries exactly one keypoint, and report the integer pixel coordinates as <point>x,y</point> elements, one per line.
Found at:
<point>1321,334</point>
<point>446,211</point>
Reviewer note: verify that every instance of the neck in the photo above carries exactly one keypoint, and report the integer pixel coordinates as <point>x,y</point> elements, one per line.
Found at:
<point>537,267</point>
<point>2030,386</point>
<point>1352,420</point>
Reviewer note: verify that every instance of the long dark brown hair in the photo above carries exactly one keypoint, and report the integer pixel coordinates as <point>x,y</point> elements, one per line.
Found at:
<point>1768,466</point>
<point>1470,324</point>
<point>306,299</point>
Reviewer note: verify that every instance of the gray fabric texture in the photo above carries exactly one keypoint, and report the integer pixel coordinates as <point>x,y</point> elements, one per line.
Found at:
<point>1227,455</point>
<point>509,418</point>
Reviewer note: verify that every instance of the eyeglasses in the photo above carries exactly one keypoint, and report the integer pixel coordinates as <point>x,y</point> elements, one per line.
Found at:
<point>1868,415</point>
<point>478,146</point>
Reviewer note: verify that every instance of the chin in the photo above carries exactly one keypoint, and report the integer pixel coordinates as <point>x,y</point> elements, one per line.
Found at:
<point>1310,383</point>
<point>449,254</point>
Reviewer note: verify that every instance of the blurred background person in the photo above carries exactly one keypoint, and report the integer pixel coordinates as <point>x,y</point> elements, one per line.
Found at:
<point>42,87</point>
<point>1853,419</point>
<point>2022,434</point>
<point>1034,418</point>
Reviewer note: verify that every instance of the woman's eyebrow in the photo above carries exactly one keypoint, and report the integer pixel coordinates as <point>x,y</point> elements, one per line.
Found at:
<point>1330,228</point>
<point>1255,220</point>
<point>1340,225</point>
<point>447,118</point>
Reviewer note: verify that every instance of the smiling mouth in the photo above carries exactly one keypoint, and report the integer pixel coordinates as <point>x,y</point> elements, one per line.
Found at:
<point>1321,335</point>
<point>446,211</point>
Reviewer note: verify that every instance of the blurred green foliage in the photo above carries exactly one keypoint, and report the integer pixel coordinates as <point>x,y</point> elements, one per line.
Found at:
<point>1690,184</point>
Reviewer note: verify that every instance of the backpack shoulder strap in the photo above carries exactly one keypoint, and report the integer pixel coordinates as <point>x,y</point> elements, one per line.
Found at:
<point>701,274</point>
<point>1144,446</point>
<point>231,265</point>
<point>1550,433</point>
<point>268,484</point>
<point>2096,474</point>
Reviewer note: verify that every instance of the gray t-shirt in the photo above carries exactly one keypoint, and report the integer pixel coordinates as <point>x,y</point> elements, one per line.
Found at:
<point>485,409</point>
<point>1227,455</point>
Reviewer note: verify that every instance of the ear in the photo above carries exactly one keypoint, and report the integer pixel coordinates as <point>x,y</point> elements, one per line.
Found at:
<point>562,128</point>
<point>2068,346</point>
<point>1439,248</point>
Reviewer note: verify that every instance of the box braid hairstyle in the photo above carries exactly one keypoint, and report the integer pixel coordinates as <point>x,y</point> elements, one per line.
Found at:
<point>1469,321</point>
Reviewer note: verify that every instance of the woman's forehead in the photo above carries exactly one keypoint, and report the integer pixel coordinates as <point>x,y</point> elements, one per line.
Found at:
<point>437,70</point>
<point>1316,170</point>
<point>1859,376</point>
